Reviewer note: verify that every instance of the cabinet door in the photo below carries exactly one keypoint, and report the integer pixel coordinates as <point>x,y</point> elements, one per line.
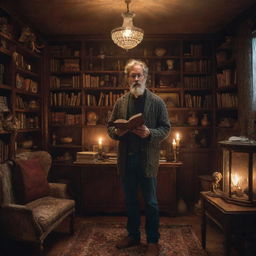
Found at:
<point>166,190</point>
<point>100,192</point>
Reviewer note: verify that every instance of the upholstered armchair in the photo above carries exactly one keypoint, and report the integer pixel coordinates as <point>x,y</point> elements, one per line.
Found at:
<point>44,206</point>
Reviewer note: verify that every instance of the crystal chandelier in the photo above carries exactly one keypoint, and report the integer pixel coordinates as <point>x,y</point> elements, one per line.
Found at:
<point>127,36</point>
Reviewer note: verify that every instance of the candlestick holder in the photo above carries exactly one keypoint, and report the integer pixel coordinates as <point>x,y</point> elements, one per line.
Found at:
<point>100,154</point>
<point>176,154</point>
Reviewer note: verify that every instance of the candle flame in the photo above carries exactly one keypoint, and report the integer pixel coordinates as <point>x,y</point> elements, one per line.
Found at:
<point>100,141</point>
<point>236,179</point>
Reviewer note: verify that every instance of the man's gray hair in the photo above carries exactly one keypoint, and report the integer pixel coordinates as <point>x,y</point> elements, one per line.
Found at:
<point>131,63</point>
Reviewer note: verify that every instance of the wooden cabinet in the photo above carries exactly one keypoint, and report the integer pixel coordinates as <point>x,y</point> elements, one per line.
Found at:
<point>20,91</point>
<point>99,190</point>
<point>65,100</point>
<point>236,222</point>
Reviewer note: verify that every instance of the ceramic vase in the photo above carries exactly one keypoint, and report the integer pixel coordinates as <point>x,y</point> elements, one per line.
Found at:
<point>204,120</point>
<point>193,119</point>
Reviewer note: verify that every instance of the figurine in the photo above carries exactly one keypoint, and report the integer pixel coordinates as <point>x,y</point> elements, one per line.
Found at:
<point>170,64</point>
<point>11,123</point>
<point>29,39</point>
<point>217,176</point>
<point>215,189</point>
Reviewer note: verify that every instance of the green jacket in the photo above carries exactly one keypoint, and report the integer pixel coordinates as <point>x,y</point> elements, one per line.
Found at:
<point>156,119</point>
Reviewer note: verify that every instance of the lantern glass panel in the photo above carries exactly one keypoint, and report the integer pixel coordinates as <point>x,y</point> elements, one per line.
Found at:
<point>226,171</point>
<point>254,176</point>
<point>239,175</point>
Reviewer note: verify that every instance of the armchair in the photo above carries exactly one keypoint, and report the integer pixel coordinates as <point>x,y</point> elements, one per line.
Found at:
<point>34,219</point>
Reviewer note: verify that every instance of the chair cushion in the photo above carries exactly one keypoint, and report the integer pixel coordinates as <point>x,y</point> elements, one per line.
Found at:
<point>48,210</point>
<point>30,180</point>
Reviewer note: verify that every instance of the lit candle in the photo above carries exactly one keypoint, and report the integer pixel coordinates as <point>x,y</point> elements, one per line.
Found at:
<point>174,144</point>
<point>100,144</point>
<point>235,180</point>
<point>177,139</point>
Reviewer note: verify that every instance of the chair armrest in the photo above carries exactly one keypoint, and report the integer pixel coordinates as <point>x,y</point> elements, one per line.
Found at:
<point>18,221</point>
<point>59,190</point>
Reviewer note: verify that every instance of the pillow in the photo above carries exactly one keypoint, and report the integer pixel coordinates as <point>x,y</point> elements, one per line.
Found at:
<point>30,180</point>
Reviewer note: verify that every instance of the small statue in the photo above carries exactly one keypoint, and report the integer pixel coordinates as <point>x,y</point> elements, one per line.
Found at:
<point>215,189</point>
<point>217,176</point>
<point>29,39</point>
<point>11,123</point>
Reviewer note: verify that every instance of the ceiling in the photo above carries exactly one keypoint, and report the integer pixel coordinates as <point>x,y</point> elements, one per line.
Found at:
<point>79,17</point>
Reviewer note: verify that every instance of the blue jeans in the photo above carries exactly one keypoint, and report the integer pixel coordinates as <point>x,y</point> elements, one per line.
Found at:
<point>132,180</point>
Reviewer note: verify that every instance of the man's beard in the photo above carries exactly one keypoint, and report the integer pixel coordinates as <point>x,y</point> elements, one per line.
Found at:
<point>137,89</point>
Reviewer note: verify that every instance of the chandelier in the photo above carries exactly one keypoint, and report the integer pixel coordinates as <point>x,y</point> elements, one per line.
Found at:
<point>127,36</point>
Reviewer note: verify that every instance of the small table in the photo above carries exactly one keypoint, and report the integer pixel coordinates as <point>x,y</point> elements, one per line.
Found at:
<point>231,218</point>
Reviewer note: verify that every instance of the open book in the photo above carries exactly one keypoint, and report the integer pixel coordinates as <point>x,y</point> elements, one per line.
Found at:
<point>130,124</point>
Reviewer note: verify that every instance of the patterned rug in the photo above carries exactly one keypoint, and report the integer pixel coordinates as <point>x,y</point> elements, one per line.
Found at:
<point>99,239</point>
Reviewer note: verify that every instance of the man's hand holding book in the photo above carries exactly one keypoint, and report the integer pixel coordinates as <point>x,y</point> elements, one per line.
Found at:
<point>134,124</point>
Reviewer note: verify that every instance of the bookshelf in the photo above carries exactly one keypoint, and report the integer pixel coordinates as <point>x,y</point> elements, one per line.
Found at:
<point>181,71</point>
<point>20,86</point>
<point>226,90</point>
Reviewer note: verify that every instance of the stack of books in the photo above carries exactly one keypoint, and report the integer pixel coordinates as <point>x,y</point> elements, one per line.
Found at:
<point>86,156</point>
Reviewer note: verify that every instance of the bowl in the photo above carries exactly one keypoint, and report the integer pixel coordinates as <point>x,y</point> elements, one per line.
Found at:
<point>160,52</point>
<point>65,140</point>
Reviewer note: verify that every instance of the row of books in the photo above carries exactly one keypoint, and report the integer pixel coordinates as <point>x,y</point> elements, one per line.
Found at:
<point>197,82</point>
<point>65,99</point>
<point>196,50</point>
<point>64,51</point>
<point>104,99</point>
<point>105,80</point>
<point>198,66</point>
<point>227,100</point>
<point>27,122</point>
<point>4,104</point>
<point>66,65</point>
<point>21,62</point>
<point>226,78</point>
<point>63,118</point>
<point>198,101</point>
<point>4,151</point>
<point>26,84</point>
<point>26,104</point>
<point>65,82</point>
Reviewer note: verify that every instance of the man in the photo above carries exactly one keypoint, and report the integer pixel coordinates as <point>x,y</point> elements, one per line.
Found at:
<point>138,154</point>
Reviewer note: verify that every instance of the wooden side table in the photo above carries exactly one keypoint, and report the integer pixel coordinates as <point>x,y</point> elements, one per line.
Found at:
<point>231,218</point>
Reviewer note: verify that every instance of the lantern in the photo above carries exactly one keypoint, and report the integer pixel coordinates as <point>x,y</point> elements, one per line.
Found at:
<point>239,172</point>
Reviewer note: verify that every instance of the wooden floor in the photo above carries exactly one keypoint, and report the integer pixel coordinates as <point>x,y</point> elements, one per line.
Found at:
<point>56,240</point>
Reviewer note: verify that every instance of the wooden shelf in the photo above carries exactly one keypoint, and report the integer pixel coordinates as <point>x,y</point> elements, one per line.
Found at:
<point>27,72</point>
<point>5,51</point>
<point>61,89</point>
<point>73,146</point>
<point>27,110</point>
<point>5,132</point>
<point>21,91</point>
<point>28,130</point>
<point>5,87</point>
